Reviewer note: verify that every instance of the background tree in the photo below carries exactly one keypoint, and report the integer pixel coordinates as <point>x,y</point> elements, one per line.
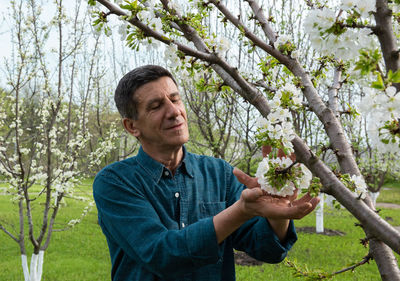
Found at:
<point>220,125</point>
<point>47,102</point>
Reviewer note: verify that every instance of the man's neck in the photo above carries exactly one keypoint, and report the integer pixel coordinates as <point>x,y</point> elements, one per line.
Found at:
<point>170,158</point>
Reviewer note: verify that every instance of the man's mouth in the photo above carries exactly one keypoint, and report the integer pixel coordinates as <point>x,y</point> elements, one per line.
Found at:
<point>174,127</point>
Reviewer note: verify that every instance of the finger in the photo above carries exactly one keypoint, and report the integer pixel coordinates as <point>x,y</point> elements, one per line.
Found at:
<point>293,196</point>
<point>293,212</point>
<point>252,194</point>
<point>308,207</point>
<point>314,202</point>
<point>245,179</point>
<point>305,208</point>
<point>306,198</point>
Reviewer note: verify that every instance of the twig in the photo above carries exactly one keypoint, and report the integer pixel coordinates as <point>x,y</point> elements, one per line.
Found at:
<point>284,171</point>
<point>365,260</point>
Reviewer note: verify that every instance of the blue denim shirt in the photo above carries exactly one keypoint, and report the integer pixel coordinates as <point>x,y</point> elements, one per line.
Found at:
<point>159,226</point>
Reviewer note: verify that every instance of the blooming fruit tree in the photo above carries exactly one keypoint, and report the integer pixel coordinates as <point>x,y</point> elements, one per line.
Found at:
<point>44,140</point>
<point>353,41</point>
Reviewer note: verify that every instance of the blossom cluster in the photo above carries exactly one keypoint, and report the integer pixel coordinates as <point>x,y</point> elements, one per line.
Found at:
<point>274,179</point>
<point>329,34</point>
<point>382,108</point>
<point>284,45</point>
<point>149,17</point>
<point>334,33</point>
<point>85,211</point>
<point>104,147</point>
<point>360,186</point>
<point>218,44</point>
<point>277,129</point>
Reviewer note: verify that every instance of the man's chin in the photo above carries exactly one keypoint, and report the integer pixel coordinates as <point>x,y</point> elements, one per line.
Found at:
<point>178,141</point>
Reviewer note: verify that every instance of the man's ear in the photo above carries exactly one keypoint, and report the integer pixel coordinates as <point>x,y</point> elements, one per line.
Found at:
<point>130,127</point>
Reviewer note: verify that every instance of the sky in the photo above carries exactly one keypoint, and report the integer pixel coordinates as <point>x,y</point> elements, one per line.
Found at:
<point>5,45</point>
<point>5,27</point>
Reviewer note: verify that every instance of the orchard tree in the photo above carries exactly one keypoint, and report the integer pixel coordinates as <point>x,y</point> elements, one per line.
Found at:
<point>376,166</point>
<point>220,125</point>
<point>354,41</point>
<point>45,137</point>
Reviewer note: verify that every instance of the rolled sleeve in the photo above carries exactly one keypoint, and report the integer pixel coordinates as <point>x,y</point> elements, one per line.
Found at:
<point>257,238</point>
<point>202,242</point>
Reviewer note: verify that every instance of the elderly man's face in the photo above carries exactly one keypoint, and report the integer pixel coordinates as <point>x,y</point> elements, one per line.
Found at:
<point>162,120</point>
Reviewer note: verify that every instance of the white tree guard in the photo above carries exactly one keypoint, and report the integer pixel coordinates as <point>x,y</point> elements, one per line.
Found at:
<point>25,268</point>
<point>319,215</point>
<point>33,269</point>
<point>374,196</point>
<point>40,266</point>
<point>36,267</point>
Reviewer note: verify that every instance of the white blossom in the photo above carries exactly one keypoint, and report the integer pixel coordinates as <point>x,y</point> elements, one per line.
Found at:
<point>361,186</point>
<point>281,40</point>
<point>170,54</point>
<point>348,4</point>
<point>366,6</point>
<point>223,45</point>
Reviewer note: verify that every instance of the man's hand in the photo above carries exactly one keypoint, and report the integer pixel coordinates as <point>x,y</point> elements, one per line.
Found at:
<point>257,202</point>
<point>278,210</point>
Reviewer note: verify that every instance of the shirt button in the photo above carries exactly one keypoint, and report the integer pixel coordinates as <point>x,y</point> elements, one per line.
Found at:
<point>177,195</point>
<point>183,225</point>
<point>166,173</point>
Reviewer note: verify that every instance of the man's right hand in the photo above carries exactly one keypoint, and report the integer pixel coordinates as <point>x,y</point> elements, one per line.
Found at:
<point>257,202</point>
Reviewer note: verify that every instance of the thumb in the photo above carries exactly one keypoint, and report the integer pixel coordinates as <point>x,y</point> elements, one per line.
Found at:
<point>252,194</point>
<point>245,179</point>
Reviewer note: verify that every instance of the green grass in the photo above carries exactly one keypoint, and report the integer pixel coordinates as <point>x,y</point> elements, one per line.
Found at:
<point>324,253</point>
<point>390,193</point>
<point>81,253</point>
<point>329,253</point>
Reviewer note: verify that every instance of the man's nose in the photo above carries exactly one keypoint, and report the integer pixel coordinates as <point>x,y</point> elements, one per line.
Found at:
<point>172,109</point>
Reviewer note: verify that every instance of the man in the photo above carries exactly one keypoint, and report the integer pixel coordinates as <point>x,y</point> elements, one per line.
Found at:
<point>168,214</point>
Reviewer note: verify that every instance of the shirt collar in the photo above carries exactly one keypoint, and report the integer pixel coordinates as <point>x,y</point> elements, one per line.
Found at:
<point>187,162</point>
<point>156,169</point>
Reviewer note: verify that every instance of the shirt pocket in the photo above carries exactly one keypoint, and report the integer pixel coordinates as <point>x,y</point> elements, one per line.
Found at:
<point>210,209</point>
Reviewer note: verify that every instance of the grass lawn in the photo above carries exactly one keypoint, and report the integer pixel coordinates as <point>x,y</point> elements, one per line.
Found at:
<point>329,253</point>
<point>390,193</point>
<point>323,253</point>
<point>81,253</point>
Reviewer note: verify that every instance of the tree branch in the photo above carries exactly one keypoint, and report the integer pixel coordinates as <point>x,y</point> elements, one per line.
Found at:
<point>9,233</point>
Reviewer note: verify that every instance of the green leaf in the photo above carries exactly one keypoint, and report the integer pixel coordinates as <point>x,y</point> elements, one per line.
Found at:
<point>395,77</point>
<point>379,83</point>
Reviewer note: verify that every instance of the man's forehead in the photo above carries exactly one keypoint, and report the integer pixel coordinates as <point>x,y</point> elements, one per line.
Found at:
<point>159,88</point>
